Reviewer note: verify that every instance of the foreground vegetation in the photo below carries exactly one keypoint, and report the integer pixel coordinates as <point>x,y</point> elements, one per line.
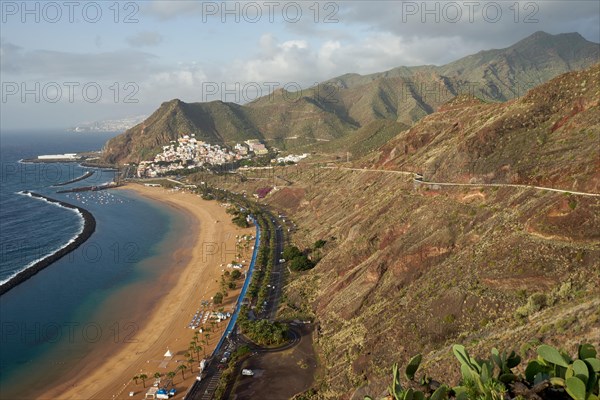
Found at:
<point>552,375</point>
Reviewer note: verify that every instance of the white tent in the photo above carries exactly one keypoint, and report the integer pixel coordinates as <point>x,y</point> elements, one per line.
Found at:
<point>168,353</point>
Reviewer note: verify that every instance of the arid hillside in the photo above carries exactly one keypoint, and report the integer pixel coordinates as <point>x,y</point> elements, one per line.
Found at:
<point>544,138</point>
<point>410,267</point>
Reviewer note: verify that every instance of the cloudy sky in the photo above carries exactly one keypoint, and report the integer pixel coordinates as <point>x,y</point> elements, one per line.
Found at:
<point>64,63</point>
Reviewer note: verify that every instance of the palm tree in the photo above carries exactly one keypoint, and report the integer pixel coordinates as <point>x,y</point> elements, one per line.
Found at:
<point>157,375</point>
<point>135,379</point>
<point>143,377</point>
<point>197,349</point>
<point>182,368</point>
<point>171,374</point>
<point>191,364</point>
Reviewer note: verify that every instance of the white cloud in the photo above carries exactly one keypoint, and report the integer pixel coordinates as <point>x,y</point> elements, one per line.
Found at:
<point>299,61</point>
<point>291,44</point>
<point>183,81</point>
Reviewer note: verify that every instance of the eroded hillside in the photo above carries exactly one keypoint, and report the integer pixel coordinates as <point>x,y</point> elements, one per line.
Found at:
<point>409,267</point>
<point>411,270</point>
<point>548,137</point>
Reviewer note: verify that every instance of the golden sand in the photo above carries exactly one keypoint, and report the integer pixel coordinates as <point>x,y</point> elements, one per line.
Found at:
<point>167,324</point>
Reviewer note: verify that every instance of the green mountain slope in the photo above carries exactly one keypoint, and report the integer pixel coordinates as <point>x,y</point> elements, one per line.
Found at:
<point>493,75</point>
<point>342,106</point>
<point>214,122</point>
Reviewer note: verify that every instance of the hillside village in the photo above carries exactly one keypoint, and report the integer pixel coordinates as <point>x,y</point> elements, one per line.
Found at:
<point>187,152</point>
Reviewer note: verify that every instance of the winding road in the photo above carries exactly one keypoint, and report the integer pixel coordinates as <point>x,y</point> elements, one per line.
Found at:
<point>419,179</point>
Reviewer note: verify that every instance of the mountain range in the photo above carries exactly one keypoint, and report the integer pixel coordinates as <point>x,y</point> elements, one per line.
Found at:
<point>359,110</point>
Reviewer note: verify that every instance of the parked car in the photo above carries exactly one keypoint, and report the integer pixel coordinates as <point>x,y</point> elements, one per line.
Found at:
<point>247,372</point>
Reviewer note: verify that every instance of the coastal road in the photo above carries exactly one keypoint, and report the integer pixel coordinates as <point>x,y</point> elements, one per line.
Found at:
<point>514,185</point>
<point>388,171</point>
<point>277,274</point>
<point>419,179</point>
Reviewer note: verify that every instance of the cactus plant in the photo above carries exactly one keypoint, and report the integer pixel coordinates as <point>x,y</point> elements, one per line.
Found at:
<point>412,367</point>
<point>553,374</point>
<point>579,377</point>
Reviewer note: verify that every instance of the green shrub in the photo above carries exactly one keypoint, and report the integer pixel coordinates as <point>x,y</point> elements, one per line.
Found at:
<point>218,298</point>
<point>319,244</point>
<point>535,303</point>
<point>552,375</point>
<point>291,252</point>
<point>235,274</point>
<point>301,263</point>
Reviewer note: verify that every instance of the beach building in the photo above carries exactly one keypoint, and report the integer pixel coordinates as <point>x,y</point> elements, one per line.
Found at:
<point>66,156</point>
<point>151,393</point>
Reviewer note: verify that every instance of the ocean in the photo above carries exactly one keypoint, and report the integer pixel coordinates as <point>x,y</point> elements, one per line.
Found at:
<point>90,299</point>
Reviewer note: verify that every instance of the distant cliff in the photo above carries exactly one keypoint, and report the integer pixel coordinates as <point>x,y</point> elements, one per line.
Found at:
<point>109,125</point>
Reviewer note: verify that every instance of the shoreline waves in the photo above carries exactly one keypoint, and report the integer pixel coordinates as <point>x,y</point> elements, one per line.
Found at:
<point>88,228</point>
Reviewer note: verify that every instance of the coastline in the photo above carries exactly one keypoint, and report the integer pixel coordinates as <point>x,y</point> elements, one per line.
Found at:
<point>164,324</point>
<point>89,226</point>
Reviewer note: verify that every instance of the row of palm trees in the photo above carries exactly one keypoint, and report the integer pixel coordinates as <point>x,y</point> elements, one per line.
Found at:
<point>194,347</point>
<point>158,375</point>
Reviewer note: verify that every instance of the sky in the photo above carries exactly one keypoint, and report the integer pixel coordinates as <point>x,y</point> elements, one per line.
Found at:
<point>63,63</point>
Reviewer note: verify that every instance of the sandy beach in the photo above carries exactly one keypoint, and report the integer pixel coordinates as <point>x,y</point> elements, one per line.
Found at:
<point>165,326</point>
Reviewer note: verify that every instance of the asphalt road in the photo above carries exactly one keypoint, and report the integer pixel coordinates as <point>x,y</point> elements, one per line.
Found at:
<point>277,273</point>
<point>419,179</point>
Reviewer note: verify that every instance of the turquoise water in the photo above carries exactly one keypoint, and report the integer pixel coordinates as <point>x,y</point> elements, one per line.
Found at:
<point>88,301</point>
